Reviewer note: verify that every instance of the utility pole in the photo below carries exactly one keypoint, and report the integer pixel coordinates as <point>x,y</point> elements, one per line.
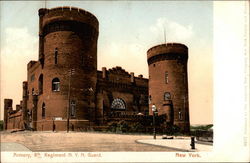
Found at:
<point>71,72</point>
<point>45,3</point>
<point>154,133</point>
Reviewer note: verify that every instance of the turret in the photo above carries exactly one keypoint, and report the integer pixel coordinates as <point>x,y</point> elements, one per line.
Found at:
<point>68,58</point>
<point>168,83</point>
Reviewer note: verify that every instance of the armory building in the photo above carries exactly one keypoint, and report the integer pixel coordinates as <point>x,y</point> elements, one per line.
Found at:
<point>64,87</point>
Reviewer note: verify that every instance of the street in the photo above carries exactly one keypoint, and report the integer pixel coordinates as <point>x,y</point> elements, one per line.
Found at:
<point>79,142</point>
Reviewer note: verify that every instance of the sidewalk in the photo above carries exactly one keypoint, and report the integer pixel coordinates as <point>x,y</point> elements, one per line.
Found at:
<point>13,147</point>
<point>178,144</point>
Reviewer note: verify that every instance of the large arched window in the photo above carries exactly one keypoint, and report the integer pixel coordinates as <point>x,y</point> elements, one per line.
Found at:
<point>43,111</point>
<point>40,84</point>
<point>118,104</point>
<point>55,84</point>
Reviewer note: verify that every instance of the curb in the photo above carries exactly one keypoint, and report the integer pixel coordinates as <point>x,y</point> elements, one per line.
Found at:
<point>172,148</point>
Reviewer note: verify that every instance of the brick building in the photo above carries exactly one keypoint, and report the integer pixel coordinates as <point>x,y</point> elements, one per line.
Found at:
<point>64,87</point>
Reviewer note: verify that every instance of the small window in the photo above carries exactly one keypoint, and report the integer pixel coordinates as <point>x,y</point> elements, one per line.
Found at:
<point>149,99</point>
<point>56,55</point>
<point>166,77</point>
<point>55,84</point>
<point>73,108</point>
<point>32,78</point>
<point>43,111</point>
<point>30,115</point>
<point>180,114</point>
<point>167,96</point>
<point>40,84</point>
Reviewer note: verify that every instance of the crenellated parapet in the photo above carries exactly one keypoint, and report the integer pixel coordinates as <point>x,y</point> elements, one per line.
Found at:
<point>118,78</point>
<point>169,51</point>
<point>118,70</point>
<point>67,13</point>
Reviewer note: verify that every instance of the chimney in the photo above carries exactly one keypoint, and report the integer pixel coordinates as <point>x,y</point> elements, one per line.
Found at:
<point>104,70</point>
<point>140,76</point>
<point>132,77</point>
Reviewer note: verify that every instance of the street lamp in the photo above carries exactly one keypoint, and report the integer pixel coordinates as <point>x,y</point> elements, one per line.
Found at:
<point>154,111</point>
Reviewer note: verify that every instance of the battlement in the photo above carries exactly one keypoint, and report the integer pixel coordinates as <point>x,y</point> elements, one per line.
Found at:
<point>173,48</point>
<point>65,13</point>
<point>8,104</point>
<point>31,64</point>
<point>25,84</point>
<point>119,71</point>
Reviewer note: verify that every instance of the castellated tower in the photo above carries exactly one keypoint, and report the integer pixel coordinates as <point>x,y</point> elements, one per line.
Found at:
<point>7,108</point>
<point>168,83</point>
<point>67,68</point>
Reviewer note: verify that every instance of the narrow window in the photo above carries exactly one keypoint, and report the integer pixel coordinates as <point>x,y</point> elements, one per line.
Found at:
<point>73,108</point>
<point>149,99</point>
<point>43,111</point>
<point>55,84</point>
<point>32,78</point>
<point>166,77</point>
<point>167,96</point>
<point>29,114</point>
<point>180,114</point>
<point>40,84</point>
<point>56,55</point>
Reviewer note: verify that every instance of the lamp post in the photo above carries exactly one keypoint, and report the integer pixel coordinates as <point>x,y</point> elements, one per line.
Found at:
<point>154,110</point>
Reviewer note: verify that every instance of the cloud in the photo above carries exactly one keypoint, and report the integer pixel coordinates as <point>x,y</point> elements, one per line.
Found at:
<point>130,56</point>
<point>18,43</point>
<point>174,31</point>
<point>18,47</point>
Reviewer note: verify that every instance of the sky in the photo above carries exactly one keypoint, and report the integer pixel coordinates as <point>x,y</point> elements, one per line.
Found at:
<point>127,29</point>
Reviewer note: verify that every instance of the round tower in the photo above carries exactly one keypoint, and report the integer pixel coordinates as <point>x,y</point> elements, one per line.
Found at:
<point>168,83</point>
<point>68,57</point>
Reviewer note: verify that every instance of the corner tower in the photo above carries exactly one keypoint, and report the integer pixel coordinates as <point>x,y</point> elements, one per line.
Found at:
<point>7,108</point>
<point>68,58</point>
<point>168,83</point>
